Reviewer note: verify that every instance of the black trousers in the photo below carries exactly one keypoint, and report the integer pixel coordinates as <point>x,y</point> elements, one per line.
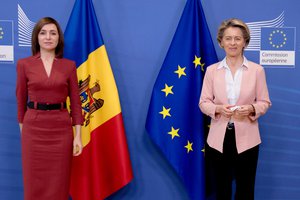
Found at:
<point>229,165</point>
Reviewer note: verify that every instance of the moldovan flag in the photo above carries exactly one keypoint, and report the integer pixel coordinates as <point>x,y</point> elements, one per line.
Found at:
<point>104,165</point>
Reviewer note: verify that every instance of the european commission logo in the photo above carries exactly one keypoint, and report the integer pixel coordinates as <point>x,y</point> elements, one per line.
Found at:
<point>277,46</point>
<point>6,41</point>
<point>25,27</point>
<point>274,42</point>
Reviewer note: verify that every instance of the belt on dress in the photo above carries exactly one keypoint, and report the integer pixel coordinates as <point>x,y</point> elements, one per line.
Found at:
<point>46,106</point>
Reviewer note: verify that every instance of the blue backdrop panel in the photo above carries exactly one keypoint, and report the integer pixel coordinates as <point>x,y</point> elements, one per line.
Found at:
<point>137,35</point>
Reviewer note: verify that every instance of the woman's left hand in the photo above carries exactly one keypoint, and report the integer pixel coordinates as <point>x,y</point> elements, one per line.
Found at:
<point>245,110</point>
<point>77,146</point>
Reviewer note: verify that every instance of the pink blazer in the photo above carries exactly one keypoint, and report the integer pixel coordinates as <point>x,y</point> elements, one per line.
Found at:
<point>253,91</point>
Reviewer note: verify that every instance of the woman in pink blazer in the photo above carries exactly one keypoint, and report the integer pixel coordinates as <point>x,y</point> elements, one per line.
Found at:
<point>234,95</point>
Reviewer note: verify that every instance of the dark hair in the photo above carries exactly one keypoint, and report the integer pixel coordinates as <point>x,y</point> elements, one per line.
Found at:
<point>35,47</point>
<point>233,22</point>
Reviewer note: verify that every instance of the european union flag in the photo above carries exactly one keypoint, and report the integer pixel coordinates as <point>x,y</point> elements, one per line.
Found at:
<point>6,32</point>
<point>175,122</point>
<point>278,39</point>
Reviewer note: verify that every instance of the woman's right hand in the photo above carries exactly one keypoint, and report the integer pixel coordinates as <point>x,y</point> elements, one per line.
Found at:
<point>224,110</point>
<point>21,126</point>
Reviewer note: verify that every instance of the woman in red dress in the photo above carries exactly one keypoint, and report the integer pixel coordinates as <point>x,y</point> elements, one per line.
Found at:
<point>44,81</point>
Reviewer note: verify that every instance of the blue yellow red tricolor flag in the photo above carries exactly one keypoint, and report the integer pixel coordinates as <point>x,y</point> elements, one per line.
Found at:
<point>104,165</point>
<point>175,122</point>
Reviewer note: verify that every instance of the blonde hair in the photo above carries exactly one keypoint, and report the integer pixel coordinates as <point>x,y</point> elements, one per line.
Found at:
<point>233,22</point>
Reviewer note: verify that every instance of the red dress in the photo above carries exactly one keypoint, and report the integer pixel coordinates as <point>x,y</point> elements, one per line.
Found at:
<point>47,136</point>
